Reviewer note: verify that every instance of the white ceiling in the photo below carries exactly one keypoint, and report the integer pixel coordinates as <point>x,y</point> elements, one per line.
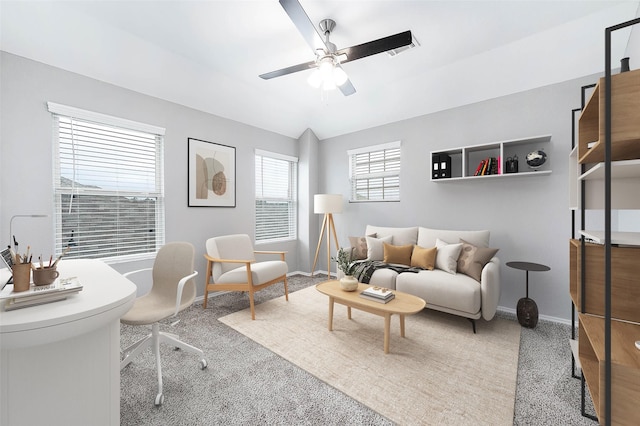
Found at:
<point>208,54</point>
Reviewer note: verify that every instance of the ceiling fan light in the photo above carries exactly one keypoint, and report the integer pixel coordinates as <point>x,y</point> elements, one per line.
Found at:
<point>326,68</point>
<point>315,78</point>
<point>339,76</point>
<point>329,85</point>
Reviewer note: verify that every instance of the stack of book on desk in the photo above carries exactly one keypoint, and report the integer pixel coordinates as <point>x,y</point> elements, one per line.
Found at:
<point>378,294</point>
<point>38,295</point>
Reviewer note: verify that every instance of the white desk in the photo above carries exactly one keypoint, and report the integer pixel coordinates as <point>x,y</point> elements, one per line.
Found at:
<point>60,362</point>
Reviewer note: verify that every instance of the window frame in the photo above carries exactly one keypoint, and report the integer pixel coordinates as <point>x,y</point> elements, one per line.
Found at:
<point>157,194</point>
<point>292,199</point>
<point>393,173</point>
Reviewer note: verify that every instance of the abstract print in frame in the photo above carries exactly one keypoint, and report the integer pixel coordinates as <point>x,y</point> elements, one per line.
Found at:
<point>212,174</point>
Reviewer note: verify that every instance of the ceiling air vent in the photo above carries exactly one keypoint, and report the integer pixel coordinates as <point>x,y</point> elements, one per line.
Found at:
<point>414,43</point>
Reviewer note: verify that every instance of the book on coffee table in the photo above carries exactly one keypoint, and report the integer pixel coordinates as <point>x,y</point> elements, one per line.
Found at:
<point>378,292</point>
<point>378,299</point>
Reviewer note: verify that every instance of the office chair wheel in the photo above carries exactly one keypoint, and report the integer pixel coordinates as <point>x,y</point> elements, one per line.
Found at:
<point>159,399</point>
<point>203,364</point>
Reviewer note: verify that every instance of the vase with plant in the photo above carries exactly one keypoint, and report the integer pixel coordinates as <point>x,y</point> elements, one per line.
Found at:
<point>348,268</point>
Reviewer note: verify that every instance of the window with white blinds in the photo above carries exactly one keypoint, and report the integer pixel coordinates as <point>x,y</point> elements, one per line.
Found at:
<point>375,172</point>
<point>276,196</point>
<point>108,185</point>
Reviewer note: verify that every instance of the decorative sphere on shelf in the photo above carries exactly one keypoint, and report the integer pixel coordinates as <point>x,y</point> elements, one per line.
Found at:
<point>536,159</point>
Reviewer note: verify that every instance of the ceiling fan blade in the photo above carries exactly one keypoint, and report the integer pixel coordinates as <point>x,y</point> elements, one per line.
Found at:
<point>347,88</point>
<point>304,25</point>
<point>374,47</point>
<point>288,70</point>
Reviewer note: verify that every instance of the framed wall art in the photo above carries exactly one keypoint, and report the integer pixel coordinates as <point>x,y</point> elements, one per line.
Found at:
<point>212,174</point>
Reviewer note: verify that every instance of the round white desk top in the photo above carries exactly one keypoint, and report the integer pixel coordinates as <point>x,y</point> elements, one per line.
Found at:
<point>106,295</point>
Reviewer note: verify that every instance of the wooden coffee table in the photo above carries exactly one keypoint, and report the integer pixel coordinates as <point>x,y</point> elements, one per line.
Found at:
<point>403,304</point>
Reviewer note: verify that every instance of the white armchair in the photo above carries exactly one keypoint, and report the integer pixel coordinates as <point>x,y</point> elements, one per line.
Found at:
<point>225,253</point>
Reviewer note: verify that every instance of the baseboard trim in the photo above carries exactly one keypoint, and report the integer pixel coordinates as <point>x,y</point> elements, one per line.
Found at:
<point>309,274</point>
<point>542,317</point>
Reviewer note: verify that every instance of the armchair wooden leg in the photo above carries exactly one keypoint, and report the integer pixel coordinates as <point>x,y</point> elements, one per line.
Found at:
<point>252,305</point>
<point>206,284</point>
<point>286,289</point>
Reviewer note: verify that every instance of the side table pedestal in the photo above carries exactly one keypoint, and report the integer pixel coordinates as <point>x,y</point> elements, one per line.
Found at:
<point>527,311</point>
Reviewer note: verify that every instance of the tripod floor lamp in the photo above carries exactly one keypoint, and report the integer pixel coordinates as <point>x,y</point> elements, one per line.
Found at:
<point>327,204</point>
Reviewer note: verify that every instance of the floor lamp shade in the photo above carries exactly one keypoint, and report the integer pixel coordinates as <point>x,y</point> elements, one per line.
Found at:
<point>327,203</point>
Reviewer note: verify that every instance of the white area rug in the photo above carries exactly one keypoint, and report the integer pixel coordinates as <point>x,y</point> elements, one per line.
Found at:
<point>440,373</point>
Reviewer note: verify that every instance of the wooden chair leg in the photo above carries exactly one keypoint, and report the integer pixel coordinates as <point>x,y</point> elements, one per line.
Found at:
<point>286,290</point>
<point>252,305</point>
<point>206,284</point>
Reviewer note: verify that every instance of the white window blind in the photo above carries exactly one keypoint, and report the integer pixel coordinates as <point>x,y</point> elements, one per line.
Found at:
<point>276,196</point>
<point>108,185</point>
<point>375,173</point>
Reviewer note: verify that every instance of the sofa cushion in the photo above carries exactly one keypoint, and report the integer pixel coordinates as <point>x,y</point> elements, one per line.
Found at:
<point>447,256</point>
<point>401,236</point>
<point>359,247</point>
<point>384,277</point>
<point>438,288</point>
<point>473,258</point>
<point>424,258</point>
<point>399,255</point>
<point>427,237</point>
<point>375,249</point>
<point>261,272</point>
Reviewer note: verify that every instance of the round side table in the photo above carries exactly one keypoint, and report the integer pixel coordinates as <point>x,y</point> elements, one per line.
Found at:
<point>527,309</point>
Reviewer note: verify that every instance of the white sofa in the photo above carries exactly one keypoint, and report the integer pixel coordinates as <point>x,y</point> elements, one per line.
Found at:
<point>455,293</point>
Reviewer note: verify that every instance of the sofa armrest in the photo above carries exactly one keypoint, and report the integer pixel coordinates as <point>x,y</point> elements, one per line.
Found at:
<point>490,288</point>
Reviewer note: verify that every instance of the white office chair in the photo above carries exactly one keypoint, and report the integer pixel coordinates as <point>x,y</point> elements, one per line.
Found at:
<point>173,290</point>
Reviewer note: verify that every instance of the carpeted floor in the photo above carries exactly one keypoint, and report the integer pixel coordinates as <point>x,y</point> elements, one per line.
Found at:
<point>248,384</point>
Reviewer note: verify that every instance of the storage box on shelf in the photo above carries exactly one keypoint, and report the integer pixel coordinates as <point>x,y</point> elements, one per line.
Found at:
<point>466,161</point>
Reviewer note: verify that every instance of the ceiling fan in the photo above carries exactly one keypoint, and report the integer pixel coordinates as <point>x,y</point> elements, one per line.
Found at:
<point>327,67</point>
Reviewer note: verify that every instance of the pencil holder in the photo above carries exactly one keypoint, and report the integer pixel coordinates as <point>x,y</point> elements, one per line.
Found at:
<point>21,276</point>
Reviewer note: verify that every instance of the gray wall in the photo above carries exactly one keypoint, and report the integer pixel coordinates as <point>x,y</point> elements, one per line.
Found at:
<point>26,156</point>
<point>528,217</point>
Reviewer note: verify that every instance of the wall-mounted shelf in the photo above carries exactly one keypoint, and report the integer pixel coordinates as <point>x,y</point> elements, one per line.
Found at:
<point>465,160</point>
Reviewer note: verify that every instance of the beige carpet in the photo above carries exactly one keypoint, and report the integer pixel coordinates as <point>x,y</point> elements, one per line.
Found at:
<point>440,373</point>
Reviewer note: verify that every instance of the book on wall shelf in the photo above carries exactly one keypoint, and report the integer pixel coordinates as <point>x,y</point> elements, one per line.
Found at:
<point>488,166</point>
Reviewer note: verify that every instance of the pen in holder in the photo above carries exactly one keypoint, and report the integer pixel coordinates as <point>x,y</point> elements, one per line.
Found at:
<point>21,276</point>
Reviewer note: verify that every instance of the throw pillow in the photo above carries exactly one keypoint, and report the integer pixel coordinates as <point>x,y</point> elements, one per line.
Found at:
<point>400,255</point>
<point>375,249</point>
<point>424,258</point>
<point>447,256</point>
<point>473,258</point>
<point>359,247</point>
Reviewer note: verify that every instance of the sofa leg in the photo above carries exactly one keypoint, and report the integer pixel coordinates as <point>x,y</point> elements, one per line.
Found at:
<point>473,324</point>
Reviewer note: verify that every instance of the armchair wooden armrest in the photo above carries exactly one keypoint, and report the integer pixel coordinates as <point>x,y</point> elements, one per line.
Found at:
<point>215,259</point>
<point>281,253</point>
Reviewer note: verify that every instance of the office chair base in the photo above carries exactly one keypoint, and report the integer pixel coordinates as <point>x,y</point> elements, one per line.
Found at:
<point>153,340</point>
